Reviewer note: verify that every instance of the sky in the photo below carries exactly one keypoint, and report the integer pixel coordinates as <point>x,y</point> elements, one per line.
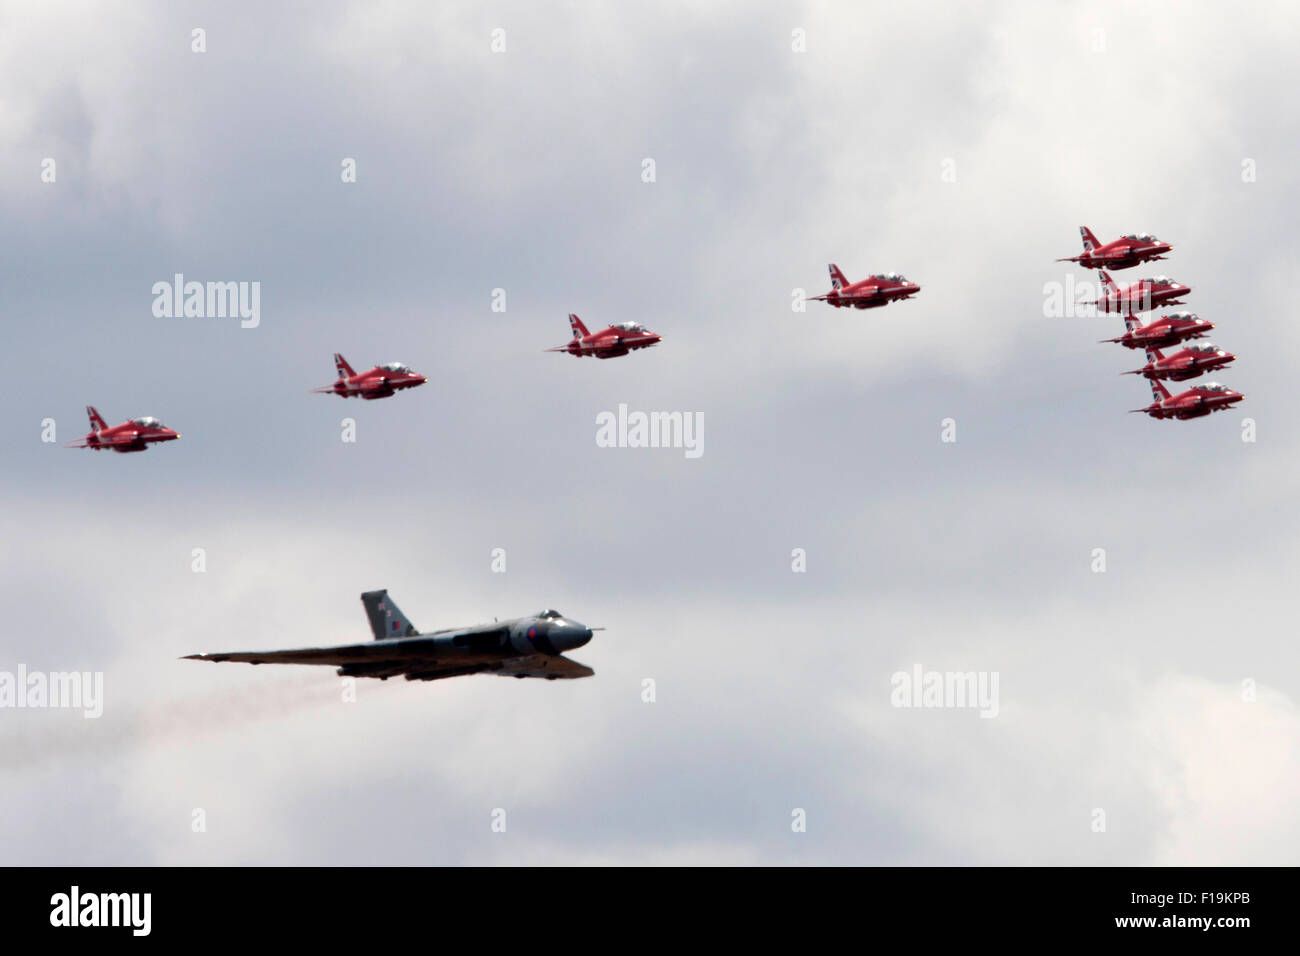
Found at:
<point>1128,581</point>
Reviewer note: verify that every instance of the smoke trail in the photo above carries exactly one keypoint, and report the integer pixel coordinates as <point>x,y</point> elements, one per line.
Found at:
<point>53,736</point>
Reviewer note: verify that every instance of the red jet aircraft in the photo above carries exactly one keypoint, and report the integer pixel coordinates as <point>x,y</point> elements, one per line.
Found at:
<point>1197,402</point>
<point>1191,362</point>
<point>609,342</point>
<point>380,382</point>
<point>870,293</point>
<point>1142,296</point>
<point>134,435</point>
<point>1163,332</point>
<point>1123,253</point>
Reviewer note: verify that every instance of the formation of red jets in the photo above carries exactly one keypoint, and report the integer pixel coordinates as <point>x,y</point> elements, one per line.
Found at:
<point>1167,331</point>
<point>382,381</point>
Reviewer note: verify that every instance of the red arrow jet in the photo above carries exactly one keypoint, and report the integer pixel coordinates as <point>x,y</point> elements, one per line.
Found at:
<point>1197,402</point>
<point>609,342</point>
<point>1191,362</point>
<point>134,435</point>
<point>1123,253</point>
<point>1142,296</point>
<point>870,293</point>
<point>1163,332</point>
<point>380,382</point>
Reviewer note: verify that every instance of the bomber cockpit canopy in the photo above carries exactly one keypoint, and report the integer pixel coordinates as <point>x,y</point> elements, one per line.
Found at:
<point>395,367</point>
<point>630,327</point>
<point>550,612</point>
<point>147,422</point>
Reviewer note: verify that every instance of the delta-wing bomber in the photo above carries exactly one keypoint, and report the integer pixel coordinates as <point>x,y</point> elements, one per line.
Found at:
<point>530,646</point>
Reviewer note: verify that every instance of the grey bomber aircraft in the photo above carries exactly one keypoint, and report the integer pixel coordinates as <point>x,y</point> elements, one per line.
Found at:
<point>523,647</point>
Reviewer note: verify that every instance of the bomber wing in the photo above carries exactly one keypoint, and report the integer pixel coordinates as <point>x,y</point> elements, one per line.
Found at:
<point>405,651</point>
<point>415,659</point>
<point>551,666</point>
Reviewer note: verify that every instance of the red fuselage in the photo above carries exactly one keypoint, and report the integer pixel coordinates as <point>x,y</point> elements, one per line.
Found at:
<point>379,382</point>
<point>1185,364</point>
<point>134,435</point>
<point>611,342</point>
<point>1122,253</point>
<point>1143,296</point>
<point>871,293</point>
<point>1197,402</point>
<point>1165,331</point>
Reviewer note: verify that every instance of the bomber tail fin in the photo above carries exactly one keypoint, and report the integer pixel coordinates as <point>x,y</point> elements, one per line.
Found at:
<point>386,620</point>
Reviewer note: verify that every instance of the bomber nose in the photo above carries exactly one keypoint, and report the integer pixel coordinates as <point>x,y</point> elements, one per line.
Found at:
<point>566,635</point>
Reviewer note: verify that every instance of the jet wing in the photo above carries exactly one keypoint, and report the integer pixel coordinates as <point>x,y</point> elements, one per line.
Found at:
<point>551,666</point>
<point>848,296</point>
<point>130,439</point>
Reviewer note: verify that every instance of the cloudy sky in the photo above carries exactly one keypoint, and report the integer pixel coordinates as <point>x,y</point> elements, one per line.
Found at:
<point>1147,713</point>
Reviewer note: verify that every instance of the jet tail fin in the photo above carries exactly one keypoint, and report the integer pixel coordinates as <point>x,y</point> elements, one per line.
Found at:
<point>1107,283</point>
<point>386,619</point>
<point>579,330</point>
<point>1089,240</point>
<point>838,281</point>
<point>1154,355</point>
<point>1158,391</point>
<point>340,363</point>
<point>97,423</point>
